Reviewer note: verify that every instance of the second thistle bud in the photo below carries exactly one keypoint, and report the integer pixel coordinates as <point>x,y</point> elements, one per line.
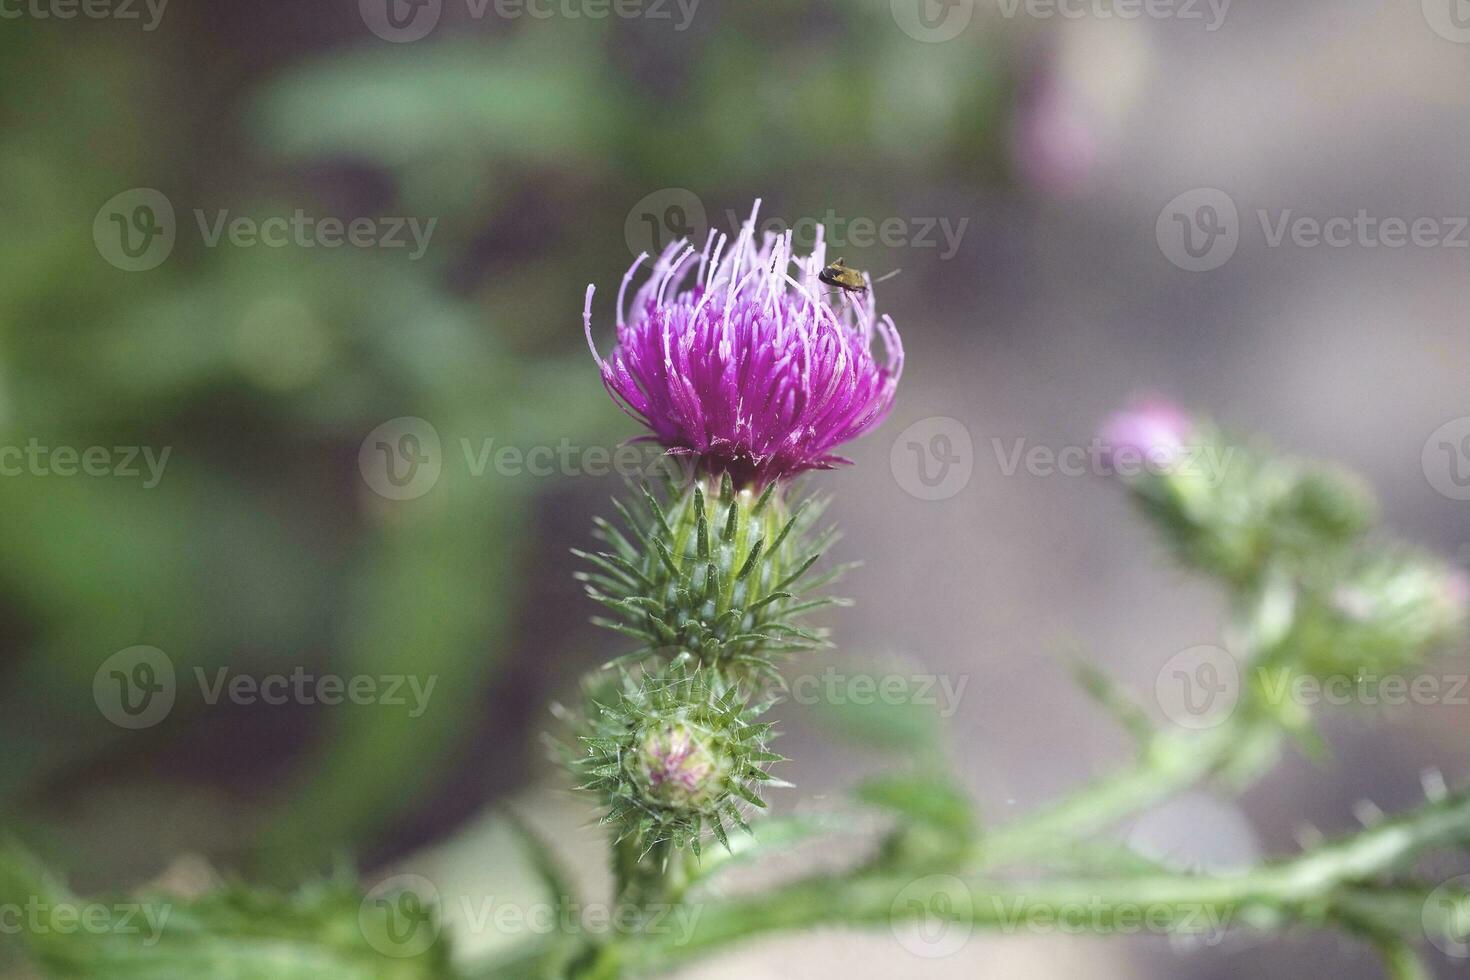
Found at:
<point>674,754</point>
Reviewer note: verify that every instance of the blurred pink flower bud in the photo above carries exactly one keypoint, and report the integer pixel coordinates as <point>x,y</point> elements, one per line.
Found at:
<point>1054,147</point>
<point>1456,592</point>
<point>1151,431</point>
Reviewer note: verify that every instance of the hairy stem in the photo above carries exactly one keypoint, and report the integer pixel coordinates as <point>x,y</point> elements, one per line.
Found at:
<point>1313,889</point>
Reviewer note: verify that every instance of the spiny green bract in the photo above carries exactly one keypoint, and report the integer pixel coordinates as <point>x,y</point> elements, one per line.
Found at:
<point>1235,510</point>
<point>712,576</point>
<point>675,753</point>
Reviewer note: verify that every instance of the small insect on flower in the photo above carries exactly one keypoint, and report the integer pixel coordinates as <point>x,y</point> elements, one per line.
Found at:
<point>838,274</point>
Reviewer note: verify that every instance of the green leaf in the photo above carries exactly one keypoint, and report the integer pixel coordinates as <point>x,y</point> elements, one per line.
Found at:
<point>924,799</point>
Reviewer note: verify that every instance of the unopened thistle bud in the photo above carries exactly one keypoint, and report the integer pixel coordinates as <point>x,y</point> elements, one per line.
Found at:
<point>1388,612</point>
<point>675,754</point>
<point>677,768</point>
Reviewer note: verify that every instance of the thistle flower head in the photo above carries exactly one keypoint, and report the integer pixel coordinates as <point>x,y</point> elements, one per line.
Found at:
<point>735,355</point>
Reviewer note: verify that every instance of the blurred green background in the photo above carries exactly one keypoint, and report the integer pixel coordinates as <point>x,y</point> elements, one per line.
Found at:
<point>262,369</point>
<point>546,152</point>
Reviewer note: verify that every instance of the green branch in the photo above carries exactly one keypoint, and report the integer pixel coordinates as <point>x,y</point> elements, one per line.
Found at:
<point>1330,886</point>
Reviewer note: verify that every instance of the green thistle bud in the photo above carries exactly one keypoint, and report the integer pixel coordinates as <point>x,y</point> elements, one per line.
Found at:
<point>1331,505</point>
<point>1387,612</point>
<point>1236,510</point>
<point>675,754</point>
<point>712,575</point>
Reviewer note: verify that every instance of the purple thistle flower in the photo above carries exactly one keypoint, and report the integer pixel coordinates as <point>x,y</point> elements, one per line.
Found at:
<point>733,359</point>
